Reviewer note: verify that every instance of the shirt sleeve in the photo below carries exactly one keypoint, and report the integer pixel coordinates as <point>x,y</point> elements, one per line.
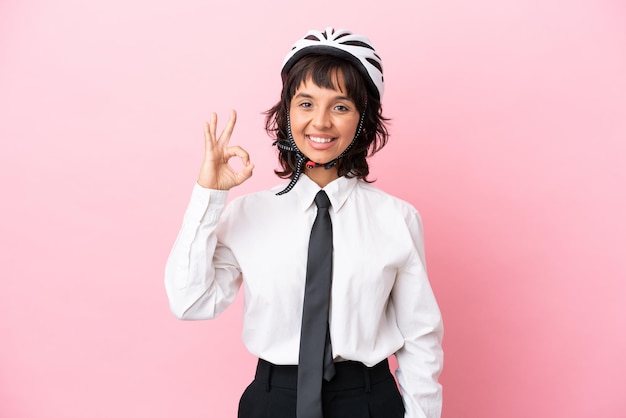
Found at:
<point>420,360</point>
<point>202,276</point>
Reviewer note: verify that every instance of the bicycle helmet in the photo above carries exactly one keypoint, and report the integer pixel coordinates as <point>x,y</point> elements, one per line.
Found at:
<point>343,44</point>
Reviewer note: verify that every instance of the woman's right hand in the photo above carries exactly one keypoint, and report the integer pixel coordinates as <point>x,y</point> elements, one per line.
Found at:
<point>216,172</point>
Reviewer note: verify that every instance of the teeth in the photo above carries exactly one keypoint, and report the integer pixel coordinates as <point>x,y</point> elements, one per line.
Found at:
<point>320,140</point>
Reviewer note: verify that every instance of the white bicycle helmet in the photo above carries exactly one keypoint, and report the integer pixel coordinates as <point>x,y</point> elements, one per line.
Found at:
<point>343,44</point>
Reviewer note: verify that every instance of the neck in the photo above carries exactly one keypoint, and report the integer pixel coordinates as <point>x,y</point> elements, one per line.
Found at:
<point>322,176</point>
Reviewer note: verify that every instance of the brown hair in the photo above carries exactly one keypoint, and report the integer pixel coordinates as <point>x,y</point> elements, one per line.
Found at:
<point>323,70</point>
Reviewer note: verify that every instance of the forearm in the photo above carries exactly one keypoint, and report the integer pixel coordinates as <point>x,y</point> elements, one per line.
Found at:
<point>419,366</point>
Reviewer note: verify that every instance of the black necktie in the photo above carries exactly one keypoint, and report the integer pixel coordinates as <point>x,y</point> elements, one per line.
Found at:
<point>316,360</point>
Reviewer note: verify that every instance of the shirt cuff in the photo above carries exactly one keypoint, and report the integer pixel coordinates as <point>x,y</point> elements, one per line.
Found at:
<point>206,205</point>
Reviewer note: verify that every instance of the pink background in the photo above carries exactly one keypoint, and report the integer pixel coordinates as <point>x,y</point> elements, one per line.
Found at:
<point>509,132</point>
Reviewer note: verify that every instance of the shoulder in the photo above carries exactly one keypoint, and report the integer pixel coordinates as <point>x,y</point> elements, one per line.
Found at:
<point>395,219</point>
<point>258,202</point>
<point>396,213</point>
<point>380,199</point>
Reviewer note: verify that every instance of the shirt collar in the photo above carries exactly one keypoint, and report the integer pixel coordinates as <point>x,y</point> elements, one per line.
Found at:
<point>337,190</point>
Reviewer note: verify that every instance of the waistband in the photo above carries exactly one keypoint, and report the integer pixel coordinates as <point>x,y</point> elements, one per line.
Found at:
<point>348,375</point>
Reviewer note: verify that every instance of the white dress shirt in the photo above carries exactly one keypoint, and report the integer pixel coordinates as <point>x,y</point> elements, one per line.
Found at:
<point>381,300</point>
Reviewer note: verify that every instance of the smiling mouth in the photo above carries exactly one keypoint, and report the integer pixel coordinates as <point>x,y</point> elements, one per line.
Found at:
<point>319,140</point>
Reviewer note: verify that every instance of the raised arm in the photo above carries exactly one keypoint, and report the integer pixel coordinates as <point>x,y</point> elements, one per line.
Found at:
<point>202,276</point>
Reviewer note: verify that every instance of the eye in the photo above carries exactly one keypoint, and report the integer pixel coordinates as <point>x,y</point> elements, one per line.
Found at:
<point>304,104</point>
<point>342,108</point>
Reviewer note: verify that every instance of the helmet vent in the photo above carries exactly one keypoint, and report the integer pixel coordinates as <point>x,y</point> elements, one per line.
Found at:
<point>342,44</point>
<point>357,43</point>
<point>375,64</point>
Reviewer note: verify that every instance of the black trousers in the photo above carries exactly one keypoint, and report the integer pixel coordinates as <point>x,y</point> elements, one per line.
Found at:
<point>356,391</point>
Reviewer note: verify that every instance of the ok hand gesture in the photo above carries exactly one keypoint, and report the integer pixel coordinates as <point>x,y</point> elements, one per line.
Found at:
<point>215,172</point>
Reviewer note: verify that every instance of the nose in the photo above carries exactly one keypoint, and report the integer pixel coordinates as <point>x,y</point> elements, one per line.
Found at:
<point>321,119</point>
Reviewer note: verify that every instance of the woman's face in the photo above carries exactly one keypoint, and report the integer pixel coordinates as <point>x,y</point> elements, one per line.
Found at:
<point>323,121</point>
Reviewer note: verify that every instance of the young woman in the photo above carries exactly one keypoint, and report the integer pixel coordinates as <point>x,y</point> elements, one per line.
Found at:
<point>332,268</point>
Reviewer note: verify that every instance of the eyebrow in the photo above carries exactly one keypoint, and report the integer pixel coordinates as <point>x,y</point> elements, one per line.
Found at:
<point>308,96</point>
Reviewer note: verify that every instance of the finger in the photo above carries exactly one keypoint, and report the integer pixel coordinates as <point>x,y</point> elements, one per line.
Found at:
<point>237,151</point>
<point>207,135</point>
<point>212,127</point>
<point>209,127</point>
<point>245,173</point>
<point>228,130</point>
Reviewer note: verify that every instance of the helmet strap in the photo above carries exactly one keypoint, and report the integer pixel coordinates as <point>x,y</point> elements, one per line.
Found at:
<point>302,160</point>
